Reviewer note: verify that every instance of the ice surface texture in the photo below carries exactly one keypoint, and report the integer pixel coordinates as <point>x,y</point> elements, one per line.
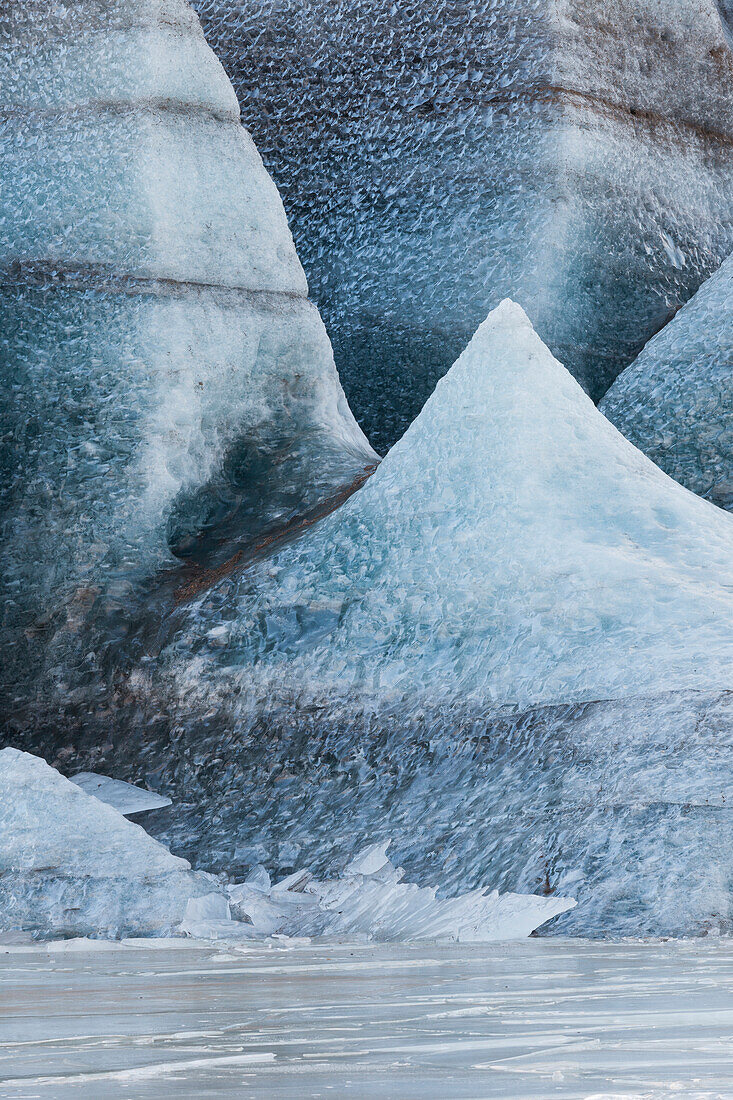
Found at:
<point>513,547</point>
<point>72,865</point>
<point>675,402</point>
<point>162,367</point>
<point>435,156</point>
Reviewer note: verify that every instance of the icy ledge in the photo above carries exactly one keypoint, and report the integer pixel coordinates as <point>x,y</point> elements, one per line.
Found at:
<point>71,865</point>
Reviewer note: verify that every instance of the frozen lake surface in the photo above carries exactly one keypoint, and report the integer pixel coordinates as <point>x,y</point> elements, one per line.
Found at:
<point>540,1018</point>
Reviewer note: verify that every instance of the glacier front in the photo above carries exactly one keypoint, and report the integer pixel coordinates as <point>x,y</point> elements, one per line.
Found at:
<point>435,156</point>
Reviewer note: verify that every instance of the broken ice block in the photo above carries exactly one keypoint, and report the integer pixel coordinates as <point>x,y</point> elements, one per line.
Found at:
<point>435,157</point>
<point>71,865</point>
<point>123,797</point>
<point>675,402</point>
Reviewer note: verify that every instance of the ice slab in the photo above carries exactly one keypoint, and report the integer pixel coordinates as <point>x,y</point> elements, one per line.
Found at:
<point>71,865</point>
<point>123,797</point>
<point>167,387</point>
<point>436,157</point>
<point>675,402</point>
<point>513,547</point>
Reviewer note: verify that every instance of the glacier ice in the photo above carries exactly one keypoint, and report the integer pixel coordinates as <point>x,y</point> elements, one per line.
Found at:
<point>513,547</point>
<point>374,901</point>
<point>123,797</point>
<point>70,865</point>
<point>163,371</point>
<point>510,651</point>
<point>437,155</point>
<point>675,402</point>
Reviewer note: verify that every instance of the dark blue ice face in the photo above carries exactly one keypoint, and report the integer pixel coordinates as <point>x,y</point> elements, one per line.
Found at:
<point>726,14</point>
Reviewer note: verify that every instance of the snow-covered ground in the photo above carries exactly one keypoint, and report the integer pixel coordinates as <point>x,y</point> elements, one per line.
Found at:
<point>540,1018</point>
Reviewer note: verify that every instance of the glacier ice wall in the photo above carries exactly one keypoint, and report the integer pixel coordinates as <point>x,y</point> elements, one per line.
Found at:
<point>510,651</point>
<point>70,865</point>
<point>436,156</point>
<point>675,402</point>
<point>163,371</point>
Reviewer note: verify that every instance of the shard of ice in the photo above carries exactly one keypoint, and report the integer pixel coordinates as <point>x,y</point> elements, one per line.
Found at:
<point>124,797</point>
<point>675,402</point>
<point>70,865</point>
<point>164,374</point>
<point>378,904</point>
<point>513,547</point>
<point>437,155</point>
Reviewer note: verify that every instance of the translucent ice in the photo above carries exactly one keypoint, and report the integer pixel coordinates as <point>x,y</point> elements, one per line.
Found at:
<point>675,402</point>
<point>124,797</point>
<point>70,865</point>
<point>377,904</point>
<point>437,155</point>
<point>162,368</point>
<point>513,547</point>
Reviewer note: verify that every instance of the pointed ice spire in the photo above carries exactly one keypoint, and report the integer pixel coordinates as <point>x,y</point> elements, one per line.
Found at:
<point>675,402</point>
<point>513,546</point>
<point>163,372</point>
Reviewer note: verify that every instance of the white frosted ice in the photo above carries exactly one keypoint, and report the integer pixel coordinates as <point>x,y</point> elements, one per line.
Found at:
<point>675,402</point>
<point>123,797</point>
<point>512,547</point>
<point>71,865</point>
<point>370,899</point>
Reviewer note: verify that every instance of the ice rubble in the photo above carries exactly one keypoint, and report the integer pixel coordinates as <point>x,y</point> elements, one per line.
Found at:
<point>675,402</point>
<point>70,865</point>
<point>513,547</point>
<point>162,366</point>
<point>371,900</point>
<point>123,797</point>
<point>437,155</point>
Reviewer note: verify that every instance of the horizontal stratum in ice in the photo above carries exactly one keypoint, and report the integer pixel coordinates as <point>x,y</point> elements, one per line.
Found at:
<point>511,651</point>
<point>675,402</point>
<point>71,865</point>
<point>435,156</point>
<point>163,371</point>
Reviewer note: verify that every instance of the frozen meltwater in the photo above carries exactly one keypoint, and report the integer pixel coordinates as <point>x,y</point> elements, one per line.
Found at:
<point>513,547</point>
<point>435,156</point>
<point>675,402</point>
<point>71,865</point>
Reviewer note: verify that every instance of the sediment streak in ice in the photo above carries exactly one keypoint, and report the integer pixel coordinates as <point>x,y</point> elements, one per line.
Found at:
<point>675,402</point>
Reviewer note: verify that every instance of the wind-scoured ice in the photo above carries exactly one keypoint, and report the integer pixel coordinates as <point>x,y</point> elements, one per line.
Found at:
<point>163,372</point>
<point>435,156</point>
<point>675,402</point>
<point>513,547</point>
<point>70,865</point>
